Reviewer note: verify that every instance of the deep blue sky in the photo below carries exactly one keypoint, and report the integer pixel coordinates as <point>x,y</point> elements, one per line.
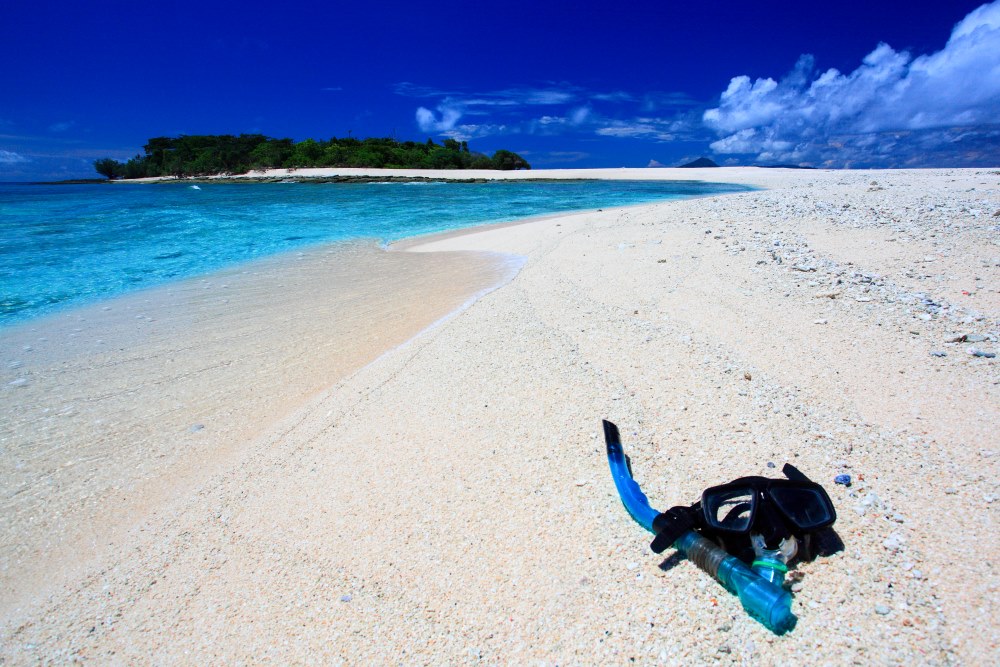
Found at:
<point>566,84</point>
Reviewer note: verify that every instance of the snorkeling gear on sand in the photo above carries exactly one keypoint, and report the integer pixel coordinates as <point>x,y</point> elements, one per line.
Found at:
<point>757,519</point>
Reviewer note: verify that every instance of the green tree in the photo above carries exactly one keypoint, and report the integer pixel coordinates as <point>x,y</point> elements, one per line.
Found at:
<point>137,168</point>
<point>366,157</point>
<point>480,161</point>
<point>109,168</point>
<point>305,154</point>
<point>270,153</point>
<point>508,161</point>
<point>156,150</point>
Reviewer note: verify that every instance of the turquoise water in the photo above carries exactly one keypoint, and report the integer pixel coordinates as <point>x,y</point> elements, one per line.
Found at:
<point>67,245</point>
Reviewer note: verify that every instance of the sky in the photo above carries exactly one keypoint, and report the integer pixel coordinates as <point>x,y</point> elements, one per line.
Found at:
<point>848,84</point>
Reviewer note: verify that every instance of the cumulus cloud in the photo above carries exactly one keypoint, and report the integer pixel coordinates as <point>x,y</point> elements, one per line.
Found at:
<point>444,121</point>
<point>891,101</point>
<point>10,157</point>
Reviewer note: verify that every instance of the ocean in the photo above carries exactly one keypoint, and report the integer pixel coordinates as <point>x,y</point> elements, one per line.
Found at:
<point>69,245</point>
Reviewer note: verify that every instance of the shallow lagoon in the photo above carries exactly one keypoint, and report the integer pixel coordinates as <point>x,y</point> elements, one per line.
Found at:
<point>66,245</point>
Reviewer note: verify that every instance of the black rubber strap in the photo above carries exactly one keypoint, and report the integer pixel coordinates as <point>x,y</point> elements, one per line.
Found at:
<point>670,525</point>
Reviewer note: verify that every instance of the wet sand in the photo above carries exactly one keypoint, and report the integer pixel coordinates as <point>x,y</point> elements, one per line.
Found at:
<point>114,410</point>
<point>450,502</point>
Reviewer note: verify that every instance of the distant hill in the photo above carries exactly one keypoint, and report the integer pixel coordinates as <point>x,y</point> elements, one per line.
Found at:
<point>700,163</point>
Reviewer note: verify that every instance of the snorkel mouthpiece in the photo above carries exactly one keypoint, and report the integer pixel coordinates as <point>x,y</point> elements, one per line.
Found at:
<point>763,600</point>
<point>772,564</point>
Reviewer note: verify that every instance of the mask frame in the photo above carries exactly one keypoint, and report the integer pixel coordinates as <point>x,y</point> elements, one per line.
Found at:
<point>756,504</point>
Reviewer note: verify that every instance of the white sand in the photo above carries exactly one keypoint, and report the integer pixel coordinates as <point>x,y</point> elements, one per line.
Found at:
<point>450,502</point>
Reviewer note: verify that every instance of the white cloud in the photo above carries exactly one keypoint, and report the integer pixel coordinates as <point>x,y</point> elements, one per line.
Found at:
<point>485,102</point>
<point>641,128</point>
<point>10,157</point>
<point>616,96</point>
<point>470,131</point>
<point>654,101</point>
<point>816,118</point>
<point>571,109</point>
<point>428,122</point>
<point>551,120</point>
<point>624,129</point>
<point>579,116</point>
<point>505,107</point>
<point>445,117</point>
<point>408,89</point>
<point>445,123</point>
<point>575,118</point>
<point>61,126</point>
<point>538,97</point>
<point>508,97</point>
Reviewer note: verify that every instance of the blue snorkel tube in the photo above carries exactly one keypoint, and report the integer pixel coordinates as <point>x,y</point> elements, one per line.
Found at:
<point>763,600</point>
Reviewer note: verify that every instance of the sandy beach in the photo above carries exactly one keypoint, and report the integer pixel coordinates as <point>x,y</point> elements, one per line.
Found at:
<point>429,486</point>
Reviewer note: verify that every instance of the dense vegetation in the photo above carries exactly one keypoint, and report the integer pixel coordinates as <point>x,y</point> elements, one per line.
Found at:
<point>227,154</point>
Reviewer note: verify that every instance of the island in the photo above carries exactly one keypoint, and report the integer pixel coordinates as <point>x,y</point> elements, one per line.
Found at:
<point>202,155</point>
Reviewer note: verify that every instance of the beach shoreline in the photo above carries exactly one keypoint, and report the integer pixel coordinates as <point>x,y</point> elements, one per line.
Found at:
<point>794,323</point>
<point>755,176</point>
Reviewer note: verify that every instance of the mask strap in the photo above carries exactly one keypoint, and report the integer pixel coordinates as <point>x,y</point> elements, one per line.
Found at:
<point>670,525</point>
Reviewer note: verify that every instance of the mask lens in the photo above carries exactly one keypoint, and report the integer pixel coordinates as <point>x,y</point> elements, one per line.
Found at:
<point>806,507</point>
<point>729,509</point>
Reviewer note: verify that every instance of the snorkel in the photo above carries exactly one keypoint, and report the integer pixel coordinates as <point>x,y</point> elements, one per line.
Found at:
<point>759,590</point>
